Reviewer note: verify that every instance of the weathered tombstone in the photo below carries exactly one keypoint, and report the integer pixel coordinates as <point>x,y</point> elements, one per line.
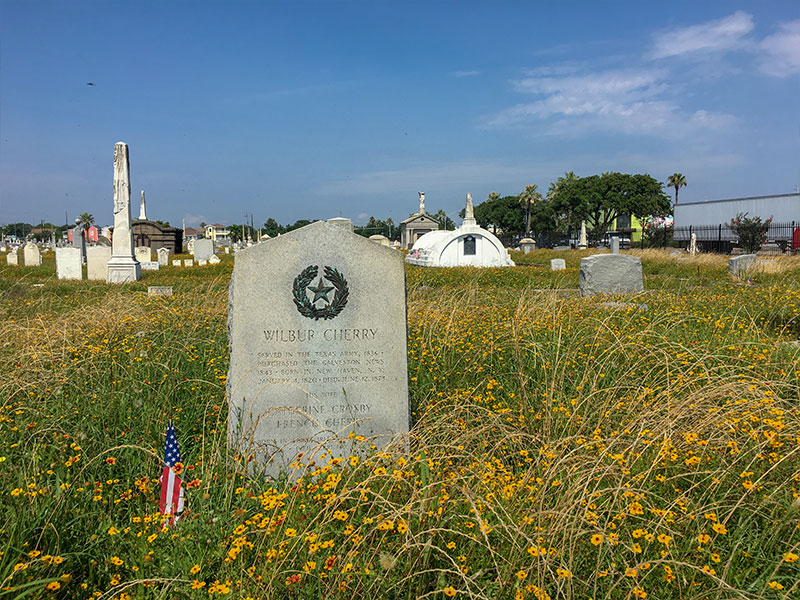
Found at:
<point>214,260</point>
<point>68,263</point>
<point>188,262</point>
<point>164,255</point>
<point>557,264</point>
<point>123,266</point>
<point>190,246</point>
<point>31,255</point>
<point>227,250</point>
<point>149,265</point>
<point>317,331</point>
<point>143,253</point>
<point>203,249</point>
<point>159,290</point>
<point>739,264</point>
<point>97,258</point>
<point>527,245</point>
<point>615,245</point>
<point>202,262</point>
<point>176,262</point>
<point>380,239</point>
<point>12,258</point>
<point>610,274</point>
<point>693,244</point>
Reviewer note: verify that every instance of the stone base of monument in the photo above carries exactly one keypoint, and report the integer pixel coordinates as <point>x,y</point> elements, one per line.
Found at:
<point>123,269</point>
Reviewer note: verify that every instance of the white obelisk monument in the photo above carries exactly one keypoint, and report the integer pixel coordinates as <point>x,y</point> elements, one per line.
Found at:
<point>123,266</point>
<point>142,209</point>
<point>469,212</point>
<point>583,243</point>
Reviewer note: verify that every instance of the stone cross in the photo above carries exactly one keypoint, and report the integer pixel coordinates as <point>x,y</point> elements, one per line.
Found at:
<point>122,267</point>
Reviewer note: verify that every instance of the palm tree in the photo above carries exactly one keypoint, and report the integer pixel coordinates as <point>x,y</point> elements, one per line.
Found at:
<point>676,180</point>
<point>529,195</point>
<point>85,220</point>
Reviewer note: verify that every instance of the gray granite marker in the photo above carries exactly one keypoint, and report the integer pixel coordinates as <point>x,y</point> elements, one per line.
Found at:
<point>317,332</point>
<point>203,249</point>
<point>610,274</point>
<point>615,245</point>
<point>739,264</point>
<point>557,264</point>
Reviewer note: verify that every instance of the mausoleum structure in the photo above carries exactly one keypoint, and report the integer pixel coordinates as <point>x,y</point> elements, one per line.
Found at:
<point>152,234</point>
<point>468,246</point>
<point>417,225</point>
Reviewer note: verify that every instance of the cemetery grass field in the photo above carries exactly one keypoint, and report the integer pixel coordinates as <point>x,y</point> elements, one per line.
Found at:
<point>561,448</point>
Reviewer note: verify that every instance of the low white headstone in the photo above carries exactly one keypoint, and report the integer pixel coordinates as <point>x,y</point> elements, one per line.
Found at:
<point>12,258</point>
<point>176,262</point>
<point>32,255</point>
<point>214,260</point>
<point>143,253</point>
<point>69,264</point>
<point>149,265</point>
<point>738,265</point>
<point>188,262</point>
<point>557,264</point>
<point>164,255</point>
<point>201,262</point>
<point>97,258</point>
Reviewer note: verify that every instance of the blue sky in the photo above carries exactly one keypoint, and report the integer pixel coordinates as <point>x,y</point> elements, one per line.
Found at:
<point>313,110</point>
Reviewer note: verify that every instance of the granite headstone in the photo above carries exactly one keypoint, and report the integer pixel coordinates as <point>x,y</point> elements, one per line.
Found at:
<point>317,332</point>
<point>203,249</point>
<point>610,274</point>
<point>97,258</point>
<point>69,263</point>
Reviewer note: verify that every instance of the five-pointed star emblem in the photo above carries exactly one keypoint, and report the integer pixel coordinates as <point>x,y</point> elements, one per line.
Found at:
<point>321,291</point>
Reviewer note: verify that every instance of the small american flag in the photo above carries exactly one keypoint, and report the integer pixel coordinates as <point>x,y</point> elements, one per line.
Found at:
<point>171,484</point>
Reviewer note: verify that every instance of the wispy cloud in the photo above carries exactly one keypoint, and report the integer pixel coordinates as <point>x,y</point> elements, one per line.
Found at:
<point>781,51</point>
<point>723,34</point>
<point>622,101</point>
<point>460,74</point>
<point>194,220</point>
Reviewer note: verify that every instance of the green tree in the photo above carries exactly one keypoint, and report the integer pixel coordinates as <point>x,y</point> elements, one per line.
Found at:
<point>445,222</point>
<point>676,180</point>
<point>530,195</point>
<point>751,231</point>
<point>563,217</point>
<point>506,213</point>
<point>271,227</point>
<point>601,199</point>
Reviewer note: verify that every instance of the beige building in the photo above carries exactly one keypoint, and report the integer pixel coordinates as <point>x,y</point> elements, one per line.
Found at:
<point>217,232</point>
<point>417,225</point>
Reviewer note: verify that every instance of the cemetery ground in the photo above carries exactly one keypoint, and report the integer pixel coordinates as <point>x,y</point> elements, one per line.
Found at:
<point>561,447</point>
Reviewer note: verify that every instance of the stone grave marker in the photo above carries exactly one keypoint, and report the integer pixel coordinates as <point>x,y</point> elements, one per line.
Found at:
<point>143,253</point>
<point>190,246</point>
<point>97,258</point>
<point>203,249</point>
<point>615,245</point>
<point>739,264</point>
<point>31,255</point>
<point>527,245</point>
<point>227,250</point>
<point>123,266</point>
<point>317,332</point>
<point>159,290</point>
<point>188,262</point>
<point>69,263</point>
<point>164,255</point>
<point>214,260</point>
<point>176,262</point>
<point>201,262</point>
<point>610,274</point>
<point>149,265</point>
<point>12,258</point>
<point>557,264</point>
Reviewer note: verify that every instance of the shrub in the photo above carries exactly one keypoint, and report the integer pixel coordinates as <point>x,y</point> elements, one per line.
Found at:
<point>751,231</point>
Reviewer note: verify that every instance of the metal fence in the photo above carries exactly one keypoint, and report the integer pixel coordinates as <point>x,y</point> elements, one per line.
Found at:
<point>720,238</point>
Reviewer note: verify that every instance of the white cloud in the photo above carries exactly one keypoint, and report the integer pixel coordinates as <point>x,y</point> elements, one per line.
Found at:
<point>194,220</point>
<point>460,74</point>
<point>621,101</point>
<point>781,51</point>
<point>723,34</point>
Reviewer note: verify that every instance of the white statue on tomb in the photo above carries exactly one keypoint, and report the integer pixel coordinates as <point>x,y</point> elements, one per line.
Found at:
<point>421,203</point>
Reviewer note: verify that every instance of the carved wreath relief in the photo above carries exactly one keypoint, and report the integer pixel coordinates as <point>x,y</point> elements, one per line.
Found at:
<point>306,298</point>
